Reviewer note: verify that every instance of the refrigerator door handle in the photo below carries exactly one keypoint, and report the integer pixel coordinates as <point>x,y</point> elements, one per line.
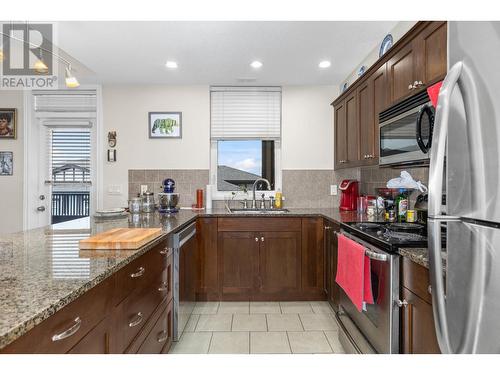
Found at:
<point>438,150</point>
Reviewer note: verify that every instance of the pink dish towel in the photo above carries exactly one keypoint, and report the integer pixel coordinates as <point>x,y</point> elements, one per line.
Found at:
<point>353,272</point>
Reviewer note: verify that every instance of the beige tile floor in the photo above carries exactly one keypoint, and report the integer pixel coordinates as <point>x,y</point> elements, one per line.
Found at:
<point>260,328</point>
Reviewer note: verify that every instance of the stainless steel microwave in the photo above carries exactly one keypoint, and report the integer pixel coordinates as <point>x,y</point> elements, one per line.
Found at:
<point>405,131</point>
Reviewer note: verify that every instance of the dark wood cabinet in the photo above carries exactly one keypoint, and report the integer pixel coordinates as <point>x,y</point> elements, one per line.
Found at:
<point>417,321</point>
<point>279,263</point>
<point>94,342</point>
<point>238,263</point>
<point>417,60</point>
<point>432,57</point>
<point>402,72</point>
<point>208,278</point>
<point>340,135</point>
<point>332,289</point>
<point>352,126</point>
<point>271,258</point>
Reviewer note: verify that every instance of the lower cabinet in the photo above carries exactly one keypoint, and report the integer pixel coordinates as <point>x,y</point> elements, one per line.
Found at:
<point>331,288</point>
<point>418,334</point>
<point>271,259</point>
<point>94,342</point>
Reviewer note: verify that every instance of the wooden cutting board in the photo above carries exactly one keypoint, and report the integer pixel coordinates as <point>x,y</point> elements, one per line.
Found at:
<point>121,239</point>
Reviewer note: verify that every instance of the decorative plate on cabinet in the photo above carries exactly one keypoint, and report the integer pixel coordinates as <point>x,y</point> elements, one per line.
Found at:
<point>345,86</point>
<point>361,71</point>
<point>385,45</point>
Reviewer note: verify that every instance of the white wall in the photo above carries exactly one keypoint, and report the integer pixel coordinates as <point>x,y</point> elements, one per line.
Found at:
<point>125,109</point>
<point>307,127</point>
<point>11,187</point>
<point>397,32</point>
<point>307,130</point>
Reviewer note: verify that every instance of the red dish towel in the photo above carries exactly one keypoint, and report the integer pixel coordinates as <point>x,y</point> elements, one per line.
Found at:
<point>353,271</point>
<point>433,93</point>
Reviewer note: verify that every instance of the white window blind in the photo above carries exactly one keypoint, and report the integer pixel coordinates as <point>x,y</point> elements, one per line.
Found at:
<point>245,112</point>
<point>70,155</point>
<point>60,101</point>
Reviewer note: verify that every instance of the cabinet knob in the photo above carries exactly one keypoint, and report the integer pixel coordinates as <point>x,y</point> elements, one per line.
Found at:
<point>256,239</point>
<point>429,289</point>
<point>262,239</point>
<point>410,86</point>
<point>402,303</point>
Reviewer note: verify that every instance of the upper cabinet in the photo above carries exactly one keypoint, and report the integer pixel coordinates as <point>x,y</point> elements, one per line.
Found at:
<point>416,61</point>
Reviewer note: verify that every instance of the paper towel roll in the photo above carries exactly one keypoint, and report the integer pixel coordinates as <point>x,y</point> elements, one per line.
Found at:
<point>208,204</point>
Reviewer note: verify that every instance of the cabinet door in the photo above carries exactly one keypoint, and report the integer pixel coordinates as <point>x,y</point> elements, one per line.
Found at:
<point>432,52</point>
<point>94,342</point>
<point>206,229</point>
<point>313,256</point>
<point>352,127</point>
<point>380,100</point>
<point>402,72</point>
<point>366,124</point>
<point>340,136</point>
<point>418,333</point>
<point>280,263</point>
<point>238,257</point>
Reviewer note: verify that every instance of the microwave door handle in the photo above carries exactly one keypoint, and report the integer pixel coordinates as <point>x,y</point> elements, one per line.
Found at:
<point>425,110</point>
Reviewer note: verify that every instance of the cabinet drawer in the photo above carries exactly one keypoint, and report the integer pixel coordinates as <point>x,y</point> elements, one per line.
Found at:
<point>160,336</point>
<point>416,278</point>
<point>141,272</point>
<point>136,309</point>
<point>287,224</point>
<point>59,333</point>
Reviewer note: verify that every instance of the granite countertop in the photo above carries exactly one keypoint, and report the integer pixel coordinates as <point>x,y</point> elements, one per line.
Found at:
<point>42,270</point>
<point>421,256</point>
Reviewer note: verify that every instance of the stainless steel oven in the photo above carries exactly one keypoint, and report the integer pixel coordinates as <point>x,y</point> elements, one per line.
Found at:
<point>376,328</point>
<point>406,131</point>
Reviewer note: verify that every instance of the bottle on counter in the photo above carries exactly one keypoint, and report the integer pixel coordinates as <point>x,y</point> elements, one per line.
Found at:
<point>401,205</point>
<point>278,202</point>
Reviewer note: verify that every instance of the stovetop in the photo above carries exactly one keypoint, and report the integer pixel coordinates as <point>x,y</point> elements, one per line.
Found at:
<point>389,236</point>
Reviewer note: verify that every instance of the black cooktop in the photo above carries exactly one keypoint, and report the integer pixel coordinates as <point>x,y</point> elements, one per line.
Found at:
<point>389,236</point>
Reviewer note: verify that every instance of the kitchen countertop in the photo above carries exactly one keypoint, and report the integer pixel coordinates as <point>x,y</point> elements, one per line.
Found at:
<point>42,270</point>
<point>421,256</point>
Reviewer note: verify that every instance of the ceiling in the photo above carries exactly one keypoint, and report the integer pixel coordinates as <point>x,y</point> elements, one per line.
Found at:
<point>212,52</point>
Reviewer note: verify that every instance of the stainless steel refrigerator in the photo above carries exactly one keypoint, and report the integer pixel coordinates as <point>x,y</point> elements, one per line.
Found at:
<point>465,164</point>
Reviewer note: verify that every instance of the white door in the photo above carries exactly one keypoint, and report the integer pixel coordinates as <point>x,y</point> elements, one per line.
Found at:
<point>61,163</point>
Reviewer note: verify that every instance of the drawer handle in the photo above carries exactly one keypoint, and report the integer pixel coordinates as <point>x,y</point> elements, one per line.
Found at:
<point>429,289</point>
<point>70,331</point>
<point>402,303</point>
<point>164,287</point>
<point>137,321</point>
<point>140,271</point>
<point>162,336</point>
<point>166,250</point>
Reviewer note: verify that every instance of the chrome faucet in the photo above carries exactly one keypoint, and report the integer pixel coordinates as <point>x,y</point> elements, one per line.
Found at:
<point>254,204</point>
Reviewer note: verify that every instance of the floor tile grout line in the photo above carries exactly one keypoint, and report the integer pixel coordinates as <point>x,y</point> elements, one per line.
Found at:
<point>197,321</point>
<point>328,341</point>
<point>210,343</point>
<point>289,344</point>
<point>301,323</point>
<point>232,319</point>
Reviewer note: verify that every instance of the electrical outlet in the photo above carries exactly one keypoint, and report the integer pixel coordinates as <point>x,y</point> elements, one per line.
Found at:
<point>114,189</point>
<point>144,188</point>
<point>333,189</point>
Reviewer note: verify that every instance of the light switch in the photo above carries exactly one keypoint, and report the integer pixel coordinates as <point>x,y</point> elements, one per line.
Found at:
<point>114,189</point>
<point>333,189</point>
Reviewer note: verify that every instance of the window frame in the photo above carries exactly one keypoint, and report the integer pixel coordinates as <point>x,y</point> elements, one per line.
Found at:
<point>238,194</point>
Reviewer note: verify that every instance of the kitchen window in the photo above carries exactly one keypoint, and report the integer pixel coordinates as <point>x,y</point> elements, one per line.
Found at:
<point>245,134</point>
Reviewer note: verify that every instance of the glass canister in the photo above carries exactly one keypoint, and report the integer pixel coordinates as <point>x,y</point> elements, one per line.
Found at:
<point>135,205</point>
<point>148,204</point>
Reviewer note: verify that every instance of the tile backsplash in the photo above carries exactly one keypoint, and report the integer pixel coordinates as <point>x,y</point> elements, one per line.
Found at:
<point>301,188</point>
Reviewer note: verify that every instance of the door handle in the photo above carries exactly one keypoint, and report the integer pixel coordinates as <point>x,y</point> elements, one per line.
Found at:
<point>40,208</point>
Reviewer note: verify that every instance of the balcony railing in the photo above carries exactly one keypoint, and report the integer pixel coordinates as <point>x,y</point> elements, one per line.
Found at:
<point>69,205</point>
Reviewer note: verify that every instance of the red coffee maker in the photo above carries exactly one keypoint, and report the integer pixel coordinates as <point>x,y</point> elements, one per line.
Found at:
<point>349,195</point>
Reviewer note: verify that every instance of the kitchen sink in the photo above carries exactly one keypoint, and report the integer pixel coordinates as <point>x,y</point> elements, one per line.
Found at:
<point>257,211</point>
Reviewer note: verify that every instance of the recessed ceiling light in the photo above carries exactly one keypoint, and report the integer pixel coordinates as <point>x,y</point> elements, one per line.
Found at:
<point>325,64</point>
<point>171,64</point>
<point>256,64</point>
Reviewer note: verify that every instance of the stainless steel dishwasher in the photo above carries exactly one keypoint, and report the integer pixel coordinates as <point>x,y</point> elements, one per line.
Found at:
<point>184,248</point>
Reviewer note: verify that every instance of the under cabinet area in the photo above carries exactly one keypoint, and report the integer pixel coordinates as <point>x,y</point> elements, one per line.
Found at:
<point>415,62</point>
<point>417,322</point>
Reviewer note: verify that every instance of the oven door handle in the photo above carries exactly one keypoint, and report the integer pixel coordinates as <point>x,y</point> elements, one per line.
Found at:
<point>376,256</point>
